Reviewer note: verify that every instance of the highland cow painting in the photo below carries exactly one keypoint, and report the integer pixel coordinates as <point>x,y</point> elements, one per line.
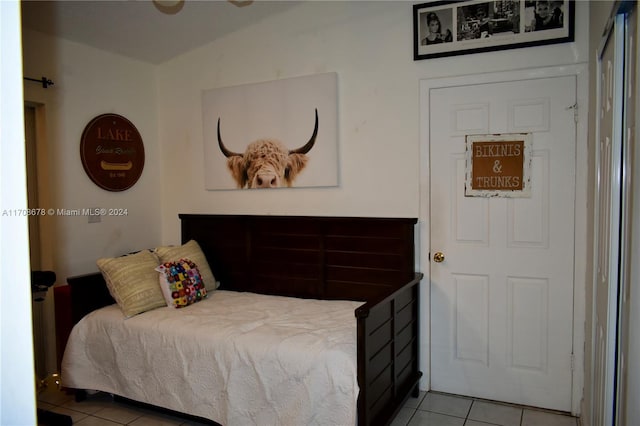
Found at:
<point>277,134</point>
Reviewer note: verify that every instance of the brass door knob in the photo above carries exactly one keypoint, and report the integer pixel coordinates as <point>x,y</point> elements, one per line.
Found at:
<point>438,257</point>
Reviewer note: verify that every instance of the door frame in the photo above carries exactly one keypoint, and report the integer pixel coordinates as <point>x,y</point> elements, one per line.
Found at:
<point>580,71</point>
<point>46,229</point>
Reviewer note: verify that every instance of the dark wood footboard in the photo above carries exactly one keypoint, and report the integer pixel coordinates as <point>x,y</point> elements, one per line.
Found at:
<point>388,353</point>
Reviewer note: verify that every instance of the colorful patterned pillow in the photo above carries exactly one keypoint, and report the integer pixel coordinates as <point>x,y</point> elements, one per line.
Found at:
<point>181,283</point>
<point>190,250</point>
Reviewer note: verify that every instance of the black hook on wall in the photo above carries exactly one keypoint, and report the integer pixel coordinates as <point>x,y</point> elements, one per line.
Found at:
<point>44,80</point>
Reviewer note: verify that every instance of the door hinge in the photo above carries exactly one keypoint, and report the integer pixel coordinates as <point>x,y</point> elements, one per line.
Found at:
<point>574,107</point>
<point>573,362</point>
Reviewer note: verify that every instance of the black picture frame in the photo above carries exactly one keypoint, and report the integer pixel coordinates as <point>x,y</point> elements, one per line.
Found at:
<point>450,28</point>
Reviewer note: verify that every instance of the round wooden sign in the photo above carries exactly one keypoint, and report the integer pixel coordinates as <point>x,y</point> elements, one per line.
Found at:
<point>112,152</point>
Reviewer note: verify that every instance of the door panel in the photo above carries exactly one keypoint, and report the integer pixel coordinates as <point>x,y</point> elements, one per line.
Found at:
<point>502,300</point>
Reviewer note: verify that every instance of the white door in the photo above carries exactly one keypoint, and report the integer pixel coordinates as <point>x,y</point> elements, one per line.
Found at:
<point>502,298</point>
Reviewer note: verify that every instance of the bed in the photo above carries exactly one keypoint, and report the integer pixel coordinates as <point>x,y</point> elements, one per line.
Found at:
<point>351,279</point>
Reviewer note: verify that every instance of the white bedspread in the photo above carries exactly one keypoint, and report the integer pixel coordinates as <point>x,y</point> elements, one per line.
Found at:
<point>235,358</point>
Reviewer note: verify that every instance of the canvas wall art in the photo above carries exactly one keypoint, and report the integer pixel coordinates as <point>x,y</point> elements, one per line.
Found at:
<point>274,134</point>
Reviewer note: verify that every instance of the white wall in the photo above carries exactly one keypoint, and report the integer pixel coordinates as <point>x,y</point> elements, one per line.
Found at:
<point>17,378</point>
<point>89,82</point>
<point>369,45</point>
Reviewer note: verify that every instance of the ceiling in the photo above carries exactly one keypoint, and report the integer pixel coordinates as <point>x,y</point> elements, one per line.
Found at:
<point>138,29</point>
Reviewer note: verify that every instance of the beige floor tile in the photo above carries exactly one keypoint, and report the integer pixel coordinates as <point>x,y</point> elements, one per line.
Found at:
<point>91,405</point>
<point>96,421</point>
<point>446,404</point>
<point>118,414</point>
<point>542,418</point>
<point>476,423</point>
<point>76,416</point>
<point>427,418</point>
<point>54,396</point>
<point>156,420</point>
<point>488,412</point>
<point>403,417</point>
<point>415,402</point>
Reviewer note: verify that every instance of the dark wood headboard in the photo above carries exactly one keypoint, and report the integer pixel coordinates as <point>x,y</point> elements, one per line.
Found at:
<point>352,258</point>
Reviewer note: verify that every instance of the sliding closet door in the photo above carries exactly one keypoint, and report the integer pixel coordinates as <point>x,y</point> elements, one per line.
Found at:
<point>607,225</point>
<point>612,217</point>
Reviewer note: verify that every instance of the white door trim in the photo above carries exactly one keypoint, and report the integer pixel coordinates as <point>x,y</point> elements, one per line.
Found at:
<point>580,243</point>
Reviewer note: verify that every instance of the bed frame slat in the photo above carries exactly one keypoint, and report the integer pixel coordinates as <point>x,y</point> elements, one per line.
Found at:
<point>388,339</point>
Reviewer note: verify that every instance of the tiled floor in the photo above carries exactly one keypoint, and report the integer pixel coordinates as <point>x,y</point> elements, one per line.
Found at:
<point>100,409</point>
<point>429,409</point>
<point>437,409</point>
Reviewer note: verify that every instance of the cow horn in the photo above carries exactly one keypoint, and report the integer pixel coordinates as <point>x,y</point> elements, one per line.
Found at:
<point>223,148</point>
<point>307,147</point>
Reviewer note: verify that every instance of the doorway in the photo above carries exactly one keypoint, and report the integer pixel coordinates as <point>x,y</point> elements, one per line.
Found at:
<point>40,235</point>
<point>32,185</point>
